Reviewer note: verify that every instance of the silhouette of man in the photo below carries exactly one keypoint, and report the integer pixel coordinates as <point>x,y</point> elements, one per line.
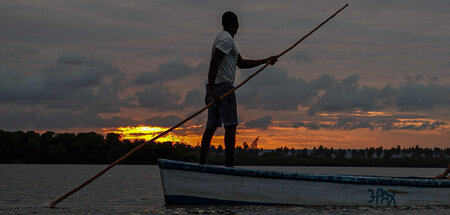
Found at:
<point>222,71</point>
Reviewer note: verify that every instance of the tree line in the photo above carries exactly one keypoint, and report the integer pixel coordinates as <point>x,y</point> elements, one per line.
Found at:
<point>94,148</point>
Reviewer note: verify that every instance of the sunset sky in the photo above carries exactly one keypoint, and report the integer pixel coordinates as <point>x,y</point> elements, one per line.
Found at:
<point>377,74</point>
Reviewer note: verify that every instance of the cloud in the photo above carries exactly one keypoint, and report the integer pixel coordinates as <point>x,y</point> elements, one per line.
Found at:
<point>261,123</point>
<point>159,98</point>
<point>300,57</point>
<point>14,119</point>
<point>59,119</point>
<point>324,81</point>
<point>348,95</point>
<point>90,83</point>
<point>425,126</point>
<point>372,123</point>
<point>163,121</point>
<point>71,58</point>
<point>417,96</point>
<point>163,98</point>
<point>173,70</point>
<point>275,90</point>
<point>194,98</point>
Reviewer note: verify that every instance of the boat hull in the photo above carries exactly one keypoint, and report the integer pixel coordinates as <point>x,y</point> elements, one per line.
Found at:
<point>185,183</point>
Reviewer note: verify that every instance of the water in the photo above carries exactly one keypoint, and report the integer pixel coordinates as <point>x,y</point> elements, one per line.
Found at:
<point>133,189</point>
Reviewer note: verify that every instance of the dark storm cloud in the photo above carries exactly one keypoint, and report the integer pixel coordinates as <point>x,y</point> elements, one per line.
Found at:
<point>372,123</point>
<point>162,98</point>
<point>163,121</point>
<point>300,57</point>
<point>348,95</point>
<point>64,118</point>
<point>261,123</point>
<point>159,98</point>
<point>17,119</point>
<point>87,82</point>
<point>58,119</point>
<point>194,98</point>
<point>323,81</point>
<point>169,71</point>
<point>418,96</point>
<point>275,90</point>
<point>74,82</point>
<point>71,57</point>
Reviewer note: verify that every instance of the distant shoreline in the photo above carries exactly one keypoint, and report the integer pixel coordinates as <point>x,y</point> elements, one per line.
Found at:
<point>92,148</point>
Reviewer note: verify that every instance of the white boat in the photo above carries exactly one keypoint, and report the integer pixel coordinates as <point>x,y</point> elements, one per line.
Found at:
<point>188,183</point>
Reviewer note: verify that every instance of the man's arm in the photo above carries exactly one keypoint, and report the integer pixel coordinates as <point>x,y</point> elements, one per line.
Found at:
<point>246,63</point>
<point>212,73</point>
<point>445,173</point>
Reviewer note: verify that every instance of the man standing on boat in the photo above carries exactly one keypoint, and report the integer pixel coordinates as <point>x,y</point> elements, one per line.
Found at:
<point>222,71</point>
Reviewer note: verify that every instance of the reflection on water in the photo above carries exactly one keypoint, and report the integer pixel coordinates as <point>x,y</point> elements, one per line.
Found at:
<point>134,189</point>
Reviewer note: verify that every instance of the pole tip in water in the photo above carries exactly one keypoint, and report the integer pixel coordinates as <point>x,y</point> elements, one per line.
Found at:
<point>49,206</point>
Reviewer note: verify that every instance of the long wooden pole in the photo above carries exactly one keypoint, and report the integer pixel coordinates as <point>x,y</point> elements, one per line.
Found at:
<point>137,148</point>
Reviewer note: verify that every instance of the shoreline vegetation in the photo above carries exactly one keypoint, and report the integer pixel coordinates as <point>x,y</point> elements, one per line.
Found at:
<point>18,147</point>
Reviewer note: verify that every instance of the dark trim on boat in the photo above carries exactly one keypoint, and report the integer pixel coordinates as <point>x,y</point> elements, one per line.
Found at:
<point>334,178</point>
<point>194,200</point>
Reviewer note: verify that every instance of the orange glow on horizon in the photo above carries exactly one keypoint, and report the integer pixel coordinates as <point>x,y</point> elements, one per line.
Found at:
<point>299,138</point>
<point>145,133</point>
<point>371,113</point>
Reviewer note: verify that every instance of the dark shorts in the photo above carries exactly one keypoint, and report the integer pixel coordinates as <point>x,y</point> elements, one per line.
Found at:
<point>224,112</point>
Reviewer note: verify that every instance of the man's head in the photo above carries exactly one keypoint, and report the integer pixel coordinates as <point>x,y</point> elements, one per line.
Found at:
<point>230,22</point>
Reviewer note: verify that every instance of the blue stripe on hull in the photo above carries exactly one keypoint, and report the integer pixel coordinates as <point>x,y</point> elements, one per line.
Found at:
<point>194,200</point>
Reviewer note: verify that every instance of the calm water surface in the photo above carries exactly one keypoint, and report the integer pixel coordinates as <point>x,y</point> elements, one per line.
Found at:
<point>133,189</point>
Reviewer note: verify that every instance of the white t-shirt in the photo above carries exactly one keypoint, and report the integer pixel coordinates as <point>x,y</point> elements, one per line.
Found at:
<point>227,68</point>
